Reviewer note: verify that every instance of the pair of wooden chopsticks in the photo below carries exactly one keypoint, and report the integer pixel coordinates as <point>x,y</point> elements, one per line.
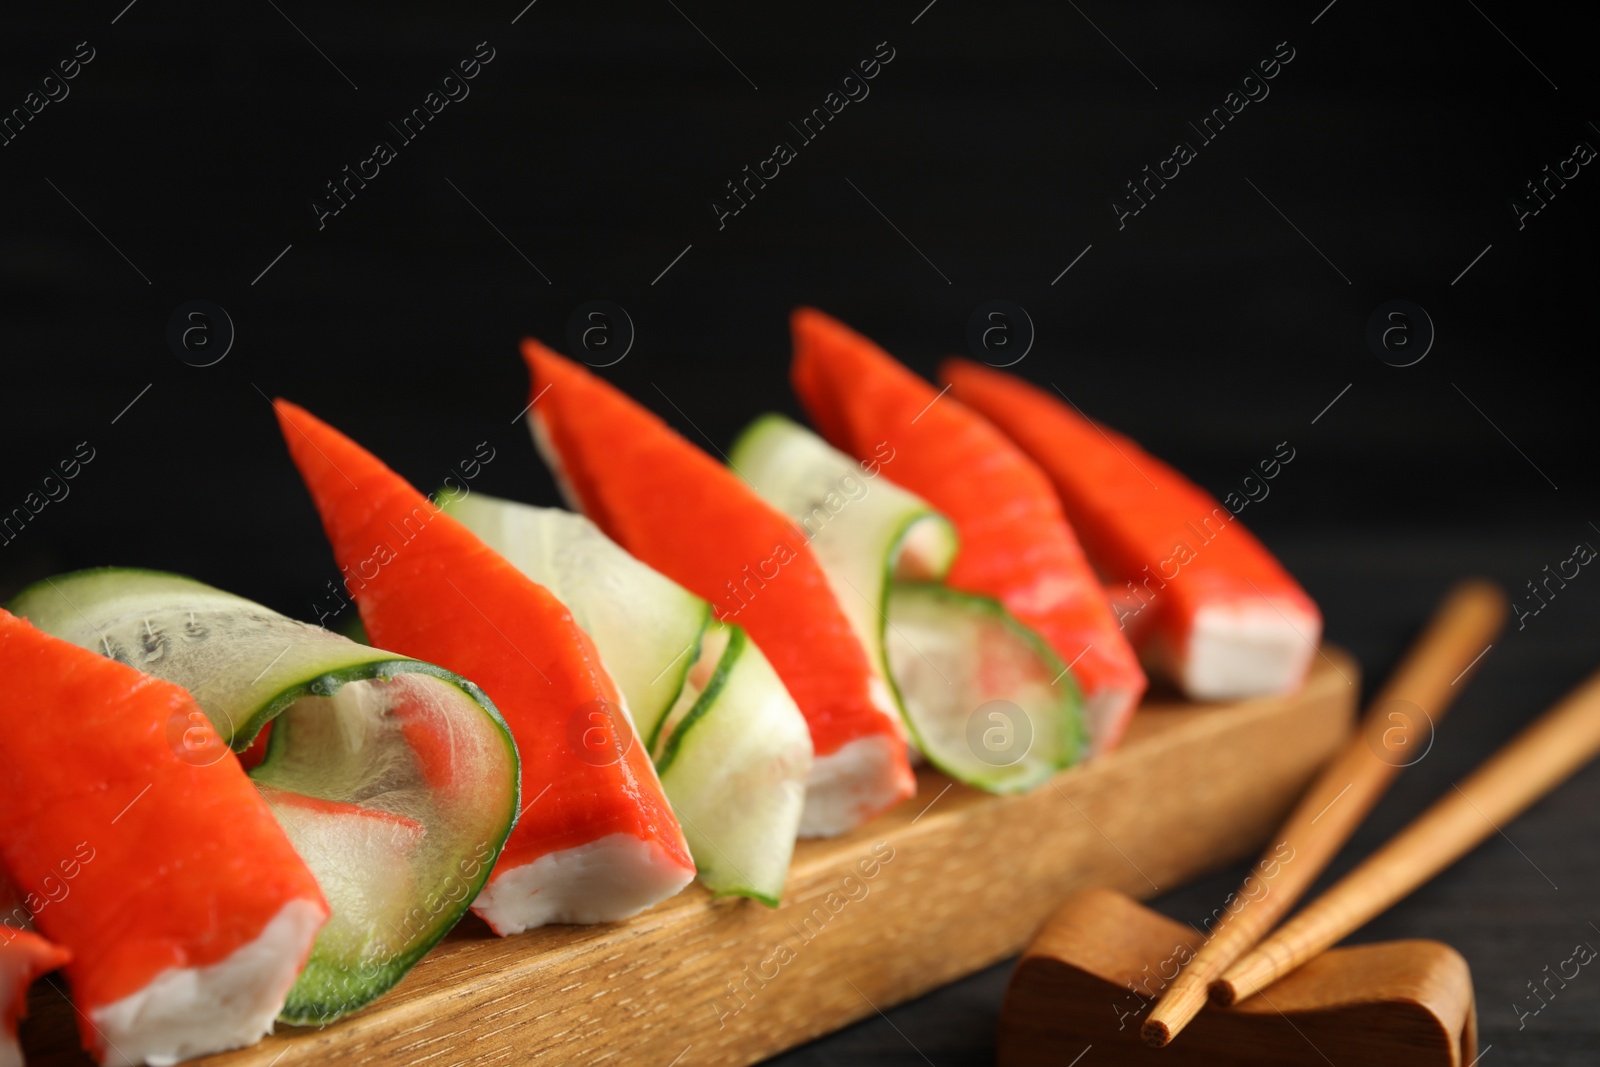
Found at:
<point>1433,672</point>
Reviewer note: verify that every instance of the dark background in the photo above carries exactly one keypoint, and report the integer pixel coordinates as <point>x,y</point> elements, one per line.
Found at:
<point>189,152</point>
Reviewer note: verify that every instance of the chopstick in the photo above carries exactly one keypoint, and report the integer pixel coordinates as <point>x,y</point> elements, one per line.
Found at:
<point>1429,677</point>
<point>1540,758</point>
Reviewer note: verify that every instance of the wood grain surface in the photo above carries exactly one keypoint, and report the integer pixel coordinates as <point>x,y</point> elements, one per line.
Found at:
<point>950,882</point>
<point>1086,979</point>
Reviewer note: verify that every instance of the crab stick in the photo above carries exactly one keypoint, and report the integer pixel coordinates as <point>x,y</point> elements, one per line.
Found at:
<point>184,906</point>
<point>596,840</point>
<point>697,522</point>
<point>1206,603</point>
<point>1016,544</point>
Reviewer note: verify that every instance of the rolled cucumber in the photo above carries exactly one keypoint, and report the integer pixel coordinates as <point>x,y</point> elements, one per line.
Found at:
<point>396,780</point>
<point>731,747</point>
<point>984,693</point>
<point>734,756</point>
<point>864,529</point>
<point>963,671</point>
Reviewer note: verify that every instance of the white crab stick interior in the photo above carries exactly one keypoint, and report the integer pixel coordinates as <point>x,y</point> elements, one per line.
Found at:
<point>849,785</point>
<point>606,880</point>
<point>1106,714</point>
<point>191,1011</point>
<point>1247,648</point>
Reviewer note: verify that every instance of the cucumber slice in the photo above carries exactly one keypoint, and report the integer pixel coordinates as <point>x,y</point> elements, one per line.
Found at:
<point>365,839</point>
<point>733,756</point>
<point>732,749</point>
<point>646,626</point>
<point>864,529</point>
<point>988,701</point>
<point>965,674</point>
<point>395,779</point>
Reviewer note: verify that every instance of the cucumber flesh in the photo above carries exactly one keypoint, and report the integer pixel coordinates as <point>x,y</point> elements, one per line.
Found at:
<point>987,700</point>
<point>397,780</point>
<point>365,839</point>
<point>946,655</point>
<point>864,529</point>
<point>646,626</point>
<point>733,757</point>
<point>731,747</point>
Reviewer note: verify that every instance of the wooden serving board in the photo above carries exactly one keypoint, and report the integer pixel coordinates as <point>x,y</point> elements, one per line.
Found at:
<point>950,882</point>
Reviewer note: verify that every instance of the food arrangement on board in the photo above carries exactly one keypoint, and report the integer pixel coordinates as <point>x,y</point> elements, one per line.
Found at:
<point>566,717</point>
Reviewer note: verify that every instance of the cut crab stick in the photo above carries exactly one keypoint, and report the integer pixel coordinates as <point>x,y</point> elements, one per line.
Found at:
<point>692,519</point>
<point>359,738</point>
<point>187,912</point>
<point>1016,544</point>
<point>732,750</point>
<point>24,956</point>
<point>1206,603</point>
<point>596,841</point>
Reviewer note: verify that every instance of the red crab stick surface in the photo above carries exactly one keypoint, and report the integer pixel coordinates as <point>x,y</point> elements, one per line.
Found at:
<point>24,956</point>
<point>596,841</point>
<point>186,910</point>
<point>1205,601</point>
<point>1016,545</point>
<point>697,522</point>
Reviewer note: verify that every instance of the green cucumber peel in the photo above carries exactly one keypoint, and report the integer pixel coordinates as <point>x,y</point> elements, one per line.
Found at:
<point>730,746</point>
<point>248,666</point>
<point>734,760</point>
<point>863,529</point>
<point>883,548</point>
<point>1004,720</point>
<point>704,701</point>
